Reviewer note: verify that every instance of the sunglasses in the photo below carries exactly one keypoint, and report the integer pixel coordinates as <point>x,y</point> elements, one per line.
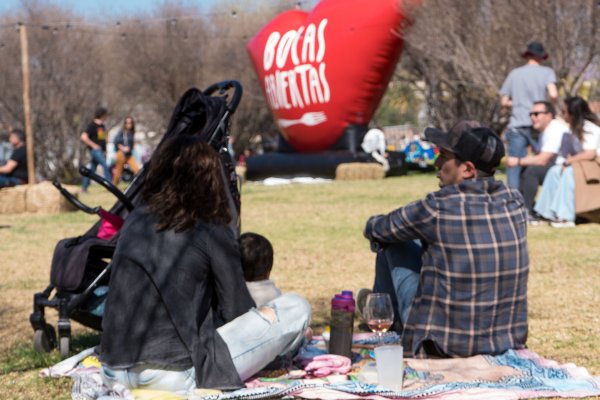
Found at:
<point>536,113</point>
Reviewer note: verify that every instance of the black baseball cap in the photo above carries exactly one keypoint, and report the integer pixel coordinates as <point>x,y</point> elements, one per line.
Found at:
<point>470,141</point>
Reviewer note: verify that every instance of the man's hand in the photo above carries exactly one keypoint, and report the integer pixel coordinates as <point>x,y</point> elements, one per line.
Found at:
<point>8,167</point>
<point>512,162</point>
<point>86,139</point>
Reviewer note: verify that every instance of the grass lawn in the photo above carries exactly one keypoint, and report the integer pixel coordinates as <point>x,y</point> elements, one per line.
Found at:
<point>316,231</point>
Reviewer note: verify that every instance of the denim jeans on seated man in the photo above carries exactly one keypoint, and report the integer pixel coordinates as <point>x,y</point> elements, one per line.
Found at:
<point>8,181</point>
<point>519,139</point>
<point>531,179</point>
<point>253,341</point>
<point>98,158</point>
<point>397,270</point>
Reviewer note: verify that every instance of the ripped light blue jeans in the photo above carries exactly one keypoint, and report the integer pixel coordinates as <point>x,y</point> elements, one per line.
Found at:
<point>252,339</point>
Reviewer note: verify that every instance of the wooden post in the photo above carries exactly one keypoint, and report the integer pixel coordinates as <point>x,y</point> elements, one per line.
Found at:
<point>26,104</point>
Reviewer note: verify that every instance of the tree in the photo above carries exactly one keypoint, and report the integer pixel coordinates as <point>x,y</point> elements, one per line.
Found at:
<point>456,57</point>
<point>463,51</point>
<point>400,105</point>
<point>67,75</point>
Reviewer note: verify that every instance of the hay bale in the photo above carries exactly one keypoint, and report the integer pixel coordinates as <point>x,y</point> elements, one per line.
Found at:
<point>45,198</point>
<point>359,171</point>
<point>12,199</point>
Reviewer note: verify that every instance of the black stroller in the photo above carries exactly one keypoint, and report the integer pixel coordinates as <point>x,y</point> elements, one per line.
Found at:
<point>81,266</point>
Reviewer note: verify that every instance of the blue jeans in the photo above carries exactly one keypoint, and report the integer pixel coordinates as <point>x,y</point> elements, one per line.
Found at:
<point>98,158</point>
<point>518,138</point>
<point>6,181</point>
<point>556,201</point>
<point>397,271</point>
<point>252,339</point>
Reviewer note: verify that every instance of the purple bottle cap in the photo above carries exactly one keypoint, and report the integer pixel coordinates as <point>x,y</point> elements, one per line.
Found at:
<point>347,293</point>
<point>343,302</point>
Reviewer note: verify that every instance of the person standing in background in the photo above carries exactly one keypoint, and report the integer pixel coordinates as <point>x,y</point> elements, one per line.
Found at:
<point>525,85</point>
<point>94,138</point>
<point>124,142</point>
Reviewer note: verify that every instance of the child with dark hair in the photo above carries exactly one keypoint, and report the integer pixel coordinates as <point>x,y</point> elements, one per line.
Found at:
<point>257,262</point>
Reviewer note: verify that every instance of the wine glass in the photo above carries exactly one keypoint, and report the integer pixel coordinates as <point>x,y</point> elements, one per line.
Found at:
<point>379,313</point>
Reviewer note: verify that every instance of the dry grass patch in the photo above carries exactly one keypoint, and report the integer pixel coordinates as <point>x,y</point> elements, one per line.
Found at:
<point>316,232</point>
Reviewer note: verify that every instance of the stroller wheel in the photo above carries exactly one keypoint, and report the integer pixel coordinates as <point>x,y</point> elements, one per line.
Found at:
<point>63,346</point>
<point>44,340</point>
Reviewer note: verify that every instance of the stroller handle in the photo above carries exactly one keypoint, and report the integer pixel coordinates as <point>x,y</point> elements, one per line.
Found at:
<point>74,200</point>
<point>108,185</point>
<point>223,87</point>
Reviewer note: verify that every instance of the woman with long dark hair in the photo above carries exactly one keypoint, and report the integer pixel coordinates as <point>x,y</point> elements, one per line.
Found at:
<point>557,198</point>
<point>178,314</point>
<point>124,142</point>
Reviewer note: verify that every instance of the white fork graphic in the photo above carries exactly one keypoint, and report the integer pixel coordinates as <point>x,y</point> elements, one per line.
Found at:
<point>308,119</point>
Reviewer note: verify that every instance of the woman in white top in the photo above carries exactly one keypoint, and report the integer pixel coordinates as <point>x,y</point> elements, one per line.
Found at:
<point>557,198</point>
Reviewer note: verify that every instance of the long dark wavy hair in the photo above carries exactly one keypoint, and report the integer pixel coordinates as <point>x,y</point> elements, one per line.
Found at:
<point>579,111</point>
<point>185,185</point>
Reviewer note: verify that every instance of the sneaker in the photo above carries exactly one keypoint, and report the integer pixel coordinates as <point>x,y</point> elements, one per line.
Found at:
<point>535,221</point>
<point>562,224</point>
<point>361,300</point>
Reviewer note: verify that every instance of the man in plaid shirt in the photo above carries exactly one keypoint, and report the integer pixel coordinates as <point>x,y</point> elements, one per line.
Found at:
<point>456,263</point>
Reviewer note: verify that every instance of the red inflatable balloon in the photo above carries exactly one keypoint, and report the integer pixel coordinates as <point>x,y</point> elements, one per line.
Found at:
<point>323,70</point>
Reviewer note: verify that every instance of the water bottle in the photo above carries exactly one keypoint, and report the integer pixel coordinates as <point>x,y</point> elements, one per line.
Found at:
<point>342,324</point>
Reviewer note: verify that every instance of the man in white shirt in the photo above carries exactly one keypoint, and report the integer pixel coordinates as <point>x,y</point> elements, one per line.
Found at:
<point>543,118</point>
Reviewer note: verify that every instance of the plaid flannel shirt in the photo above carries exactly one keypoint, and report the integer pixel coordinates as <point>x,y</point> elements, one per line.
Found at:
<point>472,294</point>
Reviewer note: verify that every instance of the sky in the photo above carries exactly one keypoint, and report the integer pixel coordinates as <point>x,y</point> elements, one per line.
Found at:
<point>89,8</point>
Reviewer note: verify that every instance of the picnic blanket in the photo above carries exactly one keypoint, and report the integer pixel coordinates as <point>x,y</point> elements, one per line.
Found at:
<point>519,374</point>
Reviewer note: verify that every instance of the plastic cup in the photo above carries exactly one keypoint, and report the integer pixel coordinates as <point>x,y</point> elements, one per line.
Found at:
<point>390,367</point>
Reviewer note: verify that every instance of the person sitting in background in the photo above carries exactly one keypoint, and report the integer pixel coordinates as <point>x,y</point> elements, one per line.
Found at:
<point>556,201</point>
<point>14,172</point>
<point>124,142</point>
<point>6,149</point>
<point>374,144</point>
<point>176,274</point>
<point>543,118</point>
<point>257,262</point>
